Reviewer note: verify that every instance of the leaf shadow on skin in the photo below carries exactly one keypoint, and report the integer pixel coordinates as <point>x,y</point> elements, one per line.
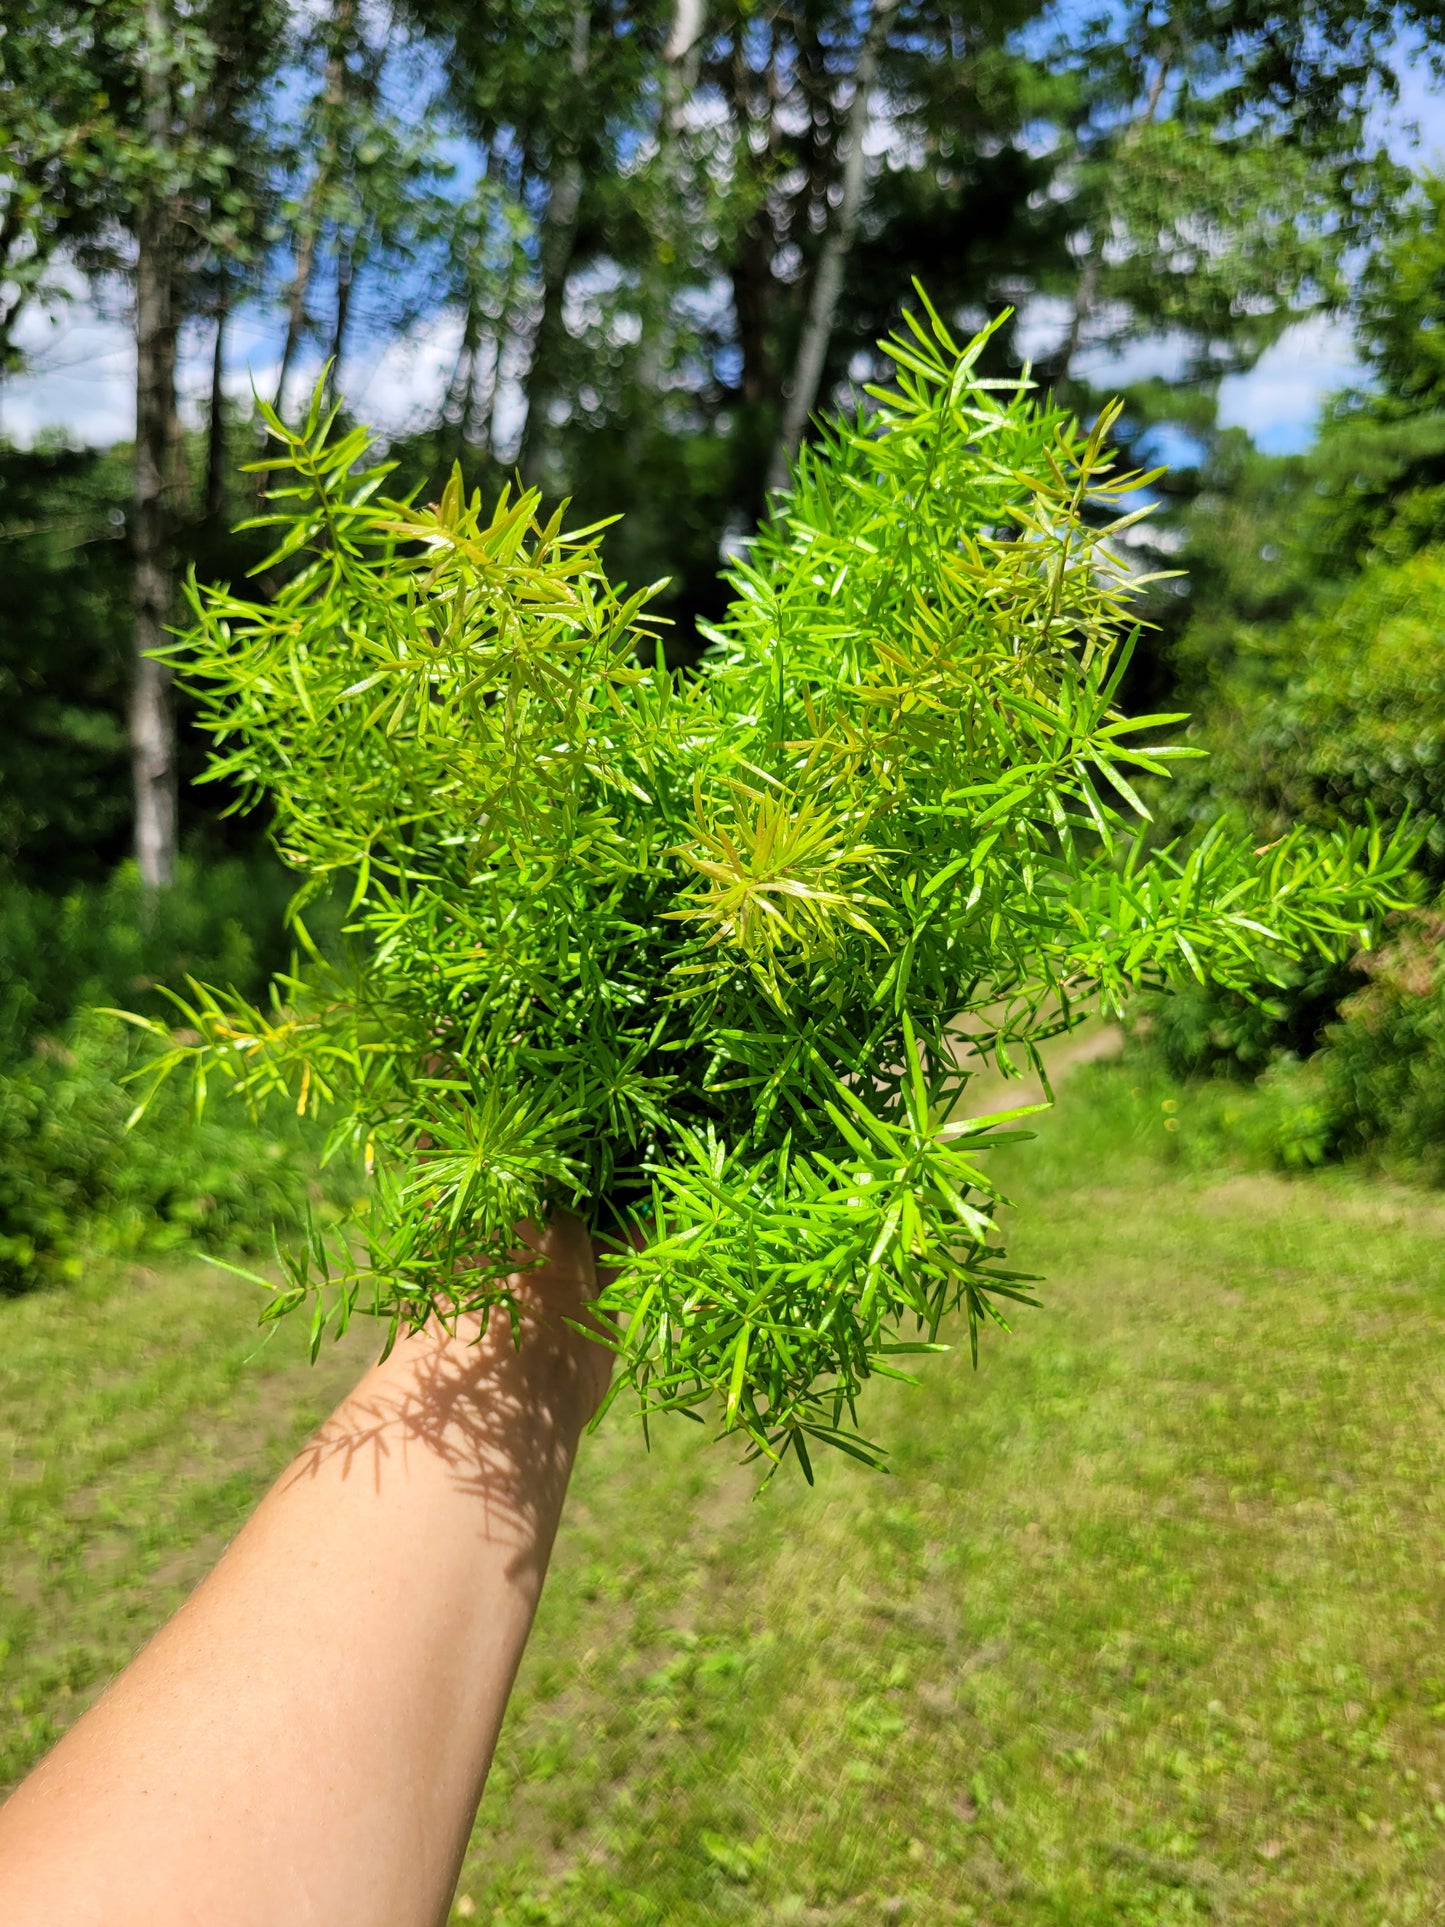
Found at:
<point>502,1414</point>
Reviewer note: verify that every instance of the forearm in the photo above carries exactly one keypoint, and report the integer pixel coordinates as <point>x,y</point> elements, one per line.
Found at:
<point>308,1738</point>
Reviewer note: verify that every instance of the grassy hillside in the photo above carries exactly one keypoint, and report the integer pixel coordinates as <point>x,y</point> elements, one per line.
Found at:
<point>1146,1626</point>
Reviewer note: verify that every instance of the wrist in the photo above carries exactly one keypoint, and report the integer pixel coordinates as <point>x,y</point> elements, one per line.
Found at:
<point>537,1352</point>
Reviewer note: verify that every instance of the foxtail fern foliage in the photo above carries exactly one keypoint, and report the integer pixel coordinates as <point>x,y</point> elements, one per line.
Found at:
<point>714,955</point>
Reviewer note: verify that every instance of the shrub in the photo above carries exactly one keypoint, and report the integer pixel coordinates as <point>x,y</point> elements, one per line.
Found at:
<point>106,944</point>
<point>74,1183</point>
<point>1359,734</point>
<point>1286,1120</point>
<point>1203,1030</point>
<point>1335,717</point>
<point>718,955</point>
<point>1374,1086</point>
<point>1208,1126</point>
<point>1384,1067</point>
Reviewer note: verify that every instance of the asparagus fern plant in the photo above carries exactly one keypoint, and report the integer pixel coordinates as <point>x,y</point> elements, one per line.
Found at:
<point>717,953</point>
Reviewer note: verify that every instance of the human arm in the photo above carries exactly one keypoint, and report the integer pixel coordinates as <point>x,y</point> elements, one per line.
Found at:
<point>308,1738</point>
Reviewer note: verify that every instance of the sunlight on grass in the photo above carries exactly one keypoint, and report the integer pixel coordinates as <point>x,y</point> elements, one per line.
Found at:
<point>1146,1626</point>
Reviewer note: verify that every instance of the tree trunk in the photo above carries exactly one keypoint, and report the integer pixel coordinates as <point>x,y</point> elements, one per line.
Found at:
<point>680,55</point>
<point>296,295</point>
<point>1085,294</point>
<point>471,391</point>
<point>152,725</point>
<point>827,285</point>
<point>216,427</point>
<point>345,276</point>
<point>333,94</point>
<point>559,240</point>
<point>504,336</point>
<point>10,311</point>
<point>752,267</point>
<point>461,396</point>
<point>679,83</point>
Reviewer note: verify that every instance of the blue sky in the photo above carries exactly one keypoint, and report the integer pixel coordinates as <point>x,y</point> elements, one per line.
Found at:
<point>1279,400</point>
<point>83,369</point>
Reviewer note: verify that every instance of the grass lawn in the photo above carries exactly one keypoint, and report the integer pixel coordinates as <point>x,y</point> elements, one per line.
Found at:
<point>1146,1626</point>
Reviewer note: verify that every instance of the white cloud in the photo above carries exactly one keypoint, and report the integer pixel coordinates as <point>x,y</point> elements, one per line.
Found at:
<point>1420,102</point>
<point>1042,324</point>
<point>79,381</point>
<point>1279,400</point>
<point>401,384</point>
<point>1147,355</point>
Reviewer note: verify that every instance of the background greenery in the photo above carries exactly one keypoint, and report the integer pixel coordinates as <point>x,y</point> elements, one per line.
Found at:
<point>621,228</point>
<point>1144,1626</point>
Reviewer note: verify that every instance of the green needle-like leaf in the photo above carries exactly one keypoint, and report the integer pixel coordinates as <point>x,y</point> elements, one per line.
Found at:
<point>712,958</point>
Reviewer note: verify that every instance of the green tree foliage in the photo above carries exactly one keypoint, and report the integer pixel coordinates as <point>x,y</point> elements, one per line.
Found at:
<point>1334,717</point>
<point>58,138</point>
<point>1225,176</point>
<point>1316,581</point>
<point>1216,162</point>
<point>1222,242</point>
<point>1313,655</point>
<point>706,190</point>
<point>1268,538</point>
<point>1379,472</point>
<point>1403,302</point>
<point>716,957</point>
<point>1337,715</point>
<point>1360,729</point>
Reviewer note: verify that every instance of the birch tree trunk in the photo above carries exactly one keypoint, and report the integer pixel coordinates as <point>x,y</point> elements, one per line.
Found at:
<point>827,286</point>
<point>152,723</point>
<point>559,241</point>
<point>680,57</point>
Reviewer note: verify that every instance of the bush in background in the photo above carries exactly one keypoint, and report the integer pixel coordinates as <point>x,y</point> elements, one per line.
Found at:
<point>1202,1030</point>
<point>1374,1087</point>
<point>74,1183</point>
<point>1383,1069</point>
<point>103,944</point>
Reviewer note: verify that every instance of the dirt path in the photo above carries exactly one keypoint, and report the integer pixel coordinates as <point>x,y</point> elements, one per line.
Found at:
<point>1091,1043</point>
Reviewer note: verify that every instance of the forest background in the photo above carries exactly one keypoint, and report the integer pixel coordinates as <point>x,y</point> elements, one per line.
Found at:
<point>627,248</point>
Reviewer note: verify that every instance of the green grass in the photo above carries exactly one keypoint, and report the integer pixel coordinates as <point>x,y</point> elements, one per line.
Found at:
<point>138,1425</point>
<point>1146,1626</point>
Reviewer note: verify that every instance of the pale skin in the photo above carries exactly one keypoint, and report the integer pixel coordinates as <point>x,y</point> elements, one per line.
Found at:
<point>308,1739</point>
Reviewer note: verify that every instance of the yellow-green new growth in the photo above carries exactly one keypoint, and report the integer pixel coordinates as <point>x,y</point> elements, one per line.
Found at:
<point>718,953</point>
